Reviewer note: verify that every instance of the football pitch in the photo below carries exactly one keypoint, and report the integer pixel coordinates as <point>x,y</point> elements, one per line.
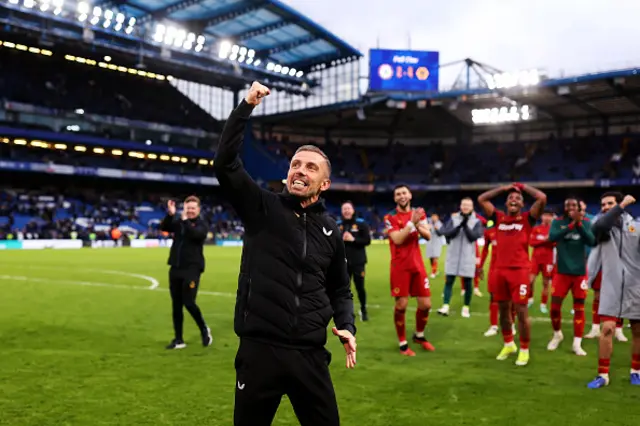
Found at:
<point>83,335</point>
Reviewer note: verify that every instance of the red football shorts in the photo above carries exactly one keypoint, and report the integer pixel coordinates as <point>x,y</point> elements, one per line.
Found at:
<point>546,269</point>
<point>562,284</point>
<point>597,282</point>
<point>512,284</point>
<point>409,283</point>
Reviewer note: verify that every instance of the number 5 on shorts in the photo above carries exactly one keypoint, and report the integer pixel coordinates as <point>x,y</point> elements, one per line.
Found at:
<point>524,290</point>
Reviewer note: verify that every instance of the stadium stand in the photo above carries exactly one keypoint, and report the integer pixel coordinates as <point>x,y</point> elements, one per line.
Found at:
<point>56,82</point>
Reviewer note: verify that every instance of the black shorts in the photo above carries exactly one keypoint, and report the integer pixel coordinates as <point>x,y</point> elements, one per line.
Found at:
<point>264,373</point>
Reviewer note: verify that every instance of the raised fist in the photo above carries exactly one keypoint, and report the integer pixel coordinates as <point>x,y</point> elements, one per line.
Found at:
<point>256,93</point>
<point>628,200</point>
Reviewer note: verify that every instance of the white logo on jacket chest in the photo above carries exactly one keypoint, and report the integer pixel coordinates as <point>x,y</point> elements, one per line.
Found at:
<point>327,233</point>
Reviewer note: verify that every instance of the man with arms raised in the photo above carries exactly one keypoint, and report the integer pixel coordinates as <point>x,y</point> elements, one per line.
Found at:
<point>293,279</point>
<point>618,237</point>
<point>513,264</point>
<point>405,226</point>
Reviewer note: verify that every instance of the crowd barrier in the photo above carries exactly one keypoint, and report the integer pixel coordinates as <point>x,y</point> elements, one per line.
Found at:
<point>39,244</point>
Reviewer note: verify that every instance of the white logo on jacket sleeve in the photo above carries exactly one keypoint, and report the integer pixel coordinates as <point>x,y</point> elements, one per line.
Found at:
<point>327,233</point>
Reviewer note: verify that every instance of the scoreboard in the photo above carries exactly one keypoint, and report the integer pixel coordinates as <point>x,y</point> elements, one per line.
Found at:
<point>403,70</point>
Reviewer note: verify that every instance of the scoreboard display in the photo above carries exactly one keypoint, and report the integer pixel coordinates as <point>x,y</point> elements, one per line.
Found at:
<point>403,70</point>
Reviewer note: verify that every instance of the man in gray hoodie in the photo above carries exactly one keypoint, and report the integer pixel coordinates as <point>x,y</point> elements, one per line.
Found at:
<point>461,231</point>
<point>618,237</point>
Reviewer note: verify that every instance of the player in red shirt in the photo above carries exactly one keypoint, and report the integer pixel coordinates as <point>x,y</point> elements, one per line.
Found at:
<point>404,227</point>
<point>542,261</point>
<point>490,240</point>
<point>513,265</point>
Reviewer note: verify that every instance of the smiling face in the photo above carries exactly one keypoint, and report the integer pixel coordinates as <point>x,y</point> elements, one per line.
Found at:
<point>607,203</point>
<point>192,209</point>
<point>308,175</point>
<point>547,218</point>
<point>571,206</point>
<point>515,202</point>
<point>402,197</point>
<point>347,211</point>
<point>466,206</point>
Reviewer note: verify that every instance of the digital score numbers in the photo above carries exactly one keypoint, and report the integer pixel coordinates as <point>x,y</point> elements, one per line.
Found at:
<point>393,70</point>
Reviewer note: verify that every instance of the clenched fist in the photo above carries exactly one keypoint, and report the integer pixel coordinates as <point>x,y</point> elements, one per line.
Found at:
<point>256,93</point>
<point>627,201</point>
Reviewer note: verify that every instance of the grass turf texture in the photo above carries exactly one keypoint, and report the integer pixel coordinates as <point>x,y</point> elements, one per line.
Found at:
<point>82,343</point>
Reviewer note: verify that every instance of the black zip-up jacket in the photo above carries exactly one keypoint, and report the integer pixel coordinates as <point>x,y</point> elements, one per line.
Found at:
<point>293,272</point>
<point>188,240</point>
<point>356,252</point>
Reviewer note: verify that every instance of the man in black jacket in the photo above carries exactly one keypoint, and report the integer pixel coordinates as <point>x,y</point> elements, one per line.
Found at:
<point>356,236</point>
<point>293,279</point>
<point>187,264</point>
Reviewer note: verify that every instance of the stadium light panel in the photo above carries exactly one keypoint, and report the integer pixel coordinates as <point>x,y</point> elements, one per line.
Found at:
<point>257,62</point>
<point>116,152</point>
<point>60,146</point>
<point>284,70</point>
<point>20,141</point>
<point>14,1</point>
<point>203,162</point>
<point>45,5</point>
<point>501,115</point>
<point>80,148</point>
<point>152,156</point>
<point>98,150</point>
<point>29,4</point>
<point>299,74</point>
<point>277,68</point>
<point>224,49</point>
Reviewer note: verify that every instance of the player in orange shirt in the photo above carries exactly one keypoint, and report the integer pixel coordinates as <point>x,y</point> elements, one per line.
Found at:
<point>542,259</point>
<point>404,226</point>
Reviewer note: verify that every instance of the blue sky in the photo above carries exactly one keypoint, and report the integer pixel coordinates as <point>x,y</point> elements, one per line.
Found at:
<point>572,36</point>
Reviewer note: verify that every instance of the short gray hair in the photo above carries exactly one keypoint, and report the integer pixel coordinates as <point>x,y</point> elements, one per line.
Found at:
<point>313,148</point>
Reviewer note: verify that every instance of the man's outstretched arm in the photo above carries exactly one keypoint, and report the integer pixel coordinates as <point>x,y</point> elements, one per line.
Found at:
<point>238,187</point>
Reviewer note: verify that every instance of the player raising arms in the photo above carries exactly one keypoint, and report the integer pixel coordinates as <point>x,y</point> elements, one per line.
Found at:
<point>490,235</point>
<point>542,258</point>
<point>405,226</point>
<point>572,234</point>
<point>512,264</point>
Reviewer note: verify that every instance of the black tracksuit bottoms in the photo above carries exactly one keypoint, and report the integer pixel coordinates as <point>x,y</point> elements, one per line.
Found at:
<point>264,373</point>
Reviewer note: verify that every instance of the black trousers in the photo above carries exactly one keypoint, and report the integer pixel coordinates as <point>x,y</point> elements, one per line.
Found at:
<point>264,373</point>
<point>357,272</point>
<point>183,286</point>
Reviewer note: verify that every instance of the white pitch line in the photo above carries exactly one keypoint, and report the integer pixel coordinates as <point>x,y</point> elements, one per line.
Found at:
<point>209,293</point>
<point>154,282</point>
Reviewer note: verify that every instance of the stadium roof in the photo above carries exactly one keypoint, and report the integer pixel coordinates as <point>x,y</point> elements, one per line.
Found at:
<point>273,29</point>
<point>598,96</point>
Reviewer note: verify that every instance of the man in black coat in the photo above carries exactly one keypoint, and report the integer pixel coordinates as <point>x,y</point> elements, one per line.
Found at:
<point>356,236</point>
<point>293,280</point>
<point>187,265</point>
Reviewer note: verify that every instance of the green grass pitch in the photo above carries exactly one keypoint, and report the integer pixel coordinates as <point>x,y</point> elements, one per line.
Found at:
<point>83,336</point>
